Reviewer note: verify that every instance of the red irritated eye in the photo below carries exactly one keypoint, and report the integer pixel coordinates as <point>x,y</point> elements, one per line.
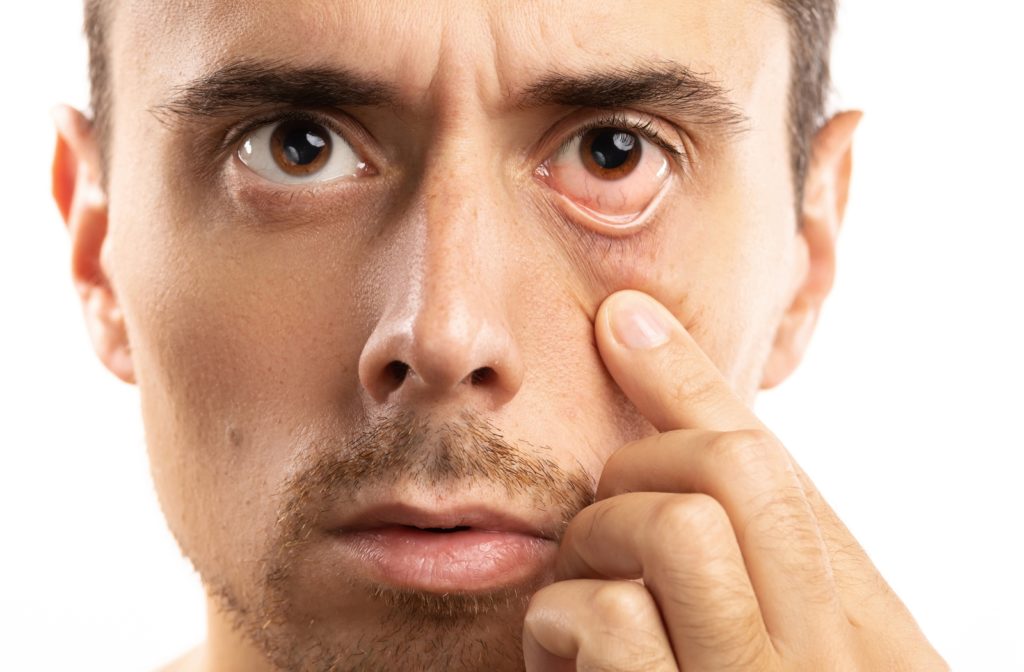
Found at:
<point>611,174</point>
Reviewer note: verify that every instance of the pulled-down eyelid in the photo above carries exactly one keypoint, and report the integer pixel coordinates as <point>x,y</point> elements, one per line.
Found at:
<point>238,89</point>
<point>615,194</point>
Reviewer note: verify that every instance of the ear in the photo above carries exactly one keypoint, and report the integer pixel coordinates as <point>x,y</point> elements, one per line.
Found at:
<point>82,201</point>
<point>825,191</point>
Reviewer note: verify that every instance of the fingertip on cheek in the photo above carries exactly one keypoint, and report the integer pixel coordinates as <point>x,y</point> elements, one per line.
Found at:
<point>636,322</point>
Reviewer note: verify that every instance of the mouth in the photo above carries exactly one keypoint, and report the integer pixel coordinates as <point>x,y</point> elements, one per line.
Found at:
<point>461,549</point>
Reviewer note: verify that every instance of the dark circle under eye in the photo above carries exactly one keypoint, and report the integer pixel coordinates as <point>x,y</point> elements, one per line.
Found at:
<point>300,147</point>
<point>609,153</point>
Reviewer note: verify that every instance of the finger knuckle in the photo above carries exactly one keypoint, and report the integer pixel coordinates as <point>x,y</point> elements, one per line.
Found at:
<point>753,451</point>
<point>620,603</point>
<point>625,635</point>
<point>691,516</point>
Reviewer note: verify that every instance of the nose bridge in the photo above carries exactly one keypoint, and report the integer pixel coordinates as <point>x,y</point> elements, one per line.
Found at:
<point>446,331</point>
<point>460,272</point>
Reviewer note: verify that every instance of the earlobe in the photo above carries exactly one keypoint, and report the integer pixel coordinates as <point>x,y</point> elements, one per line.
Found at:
<point>80,198</point>
<point>824,204</point>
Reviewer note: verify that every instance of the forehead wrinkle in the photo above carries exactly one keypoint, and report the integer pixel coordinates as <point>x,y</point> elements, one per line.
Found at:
<point>169,42</point>
<point>729,43</point>
<point>521,45</point>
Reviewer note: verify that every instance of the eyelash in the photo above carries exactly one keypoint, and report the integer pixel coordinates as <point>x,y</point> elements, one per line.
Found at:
<point>235,135</point>
<point>644,127</point>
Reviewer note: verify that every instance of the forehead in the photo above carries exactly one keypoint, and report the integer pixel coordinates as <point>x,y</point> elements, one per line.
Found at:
<point>485,48</point>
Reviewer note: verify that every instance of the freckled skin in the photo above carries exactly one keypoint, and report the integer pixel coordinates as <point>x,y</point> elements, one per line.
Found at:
<point>260,328</point>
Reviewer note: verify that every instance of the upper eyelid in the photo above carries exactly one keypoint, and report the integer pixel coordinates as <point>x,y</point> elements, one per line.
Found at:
<point>640,122</point>
<point>359,140</point>
<point>234,135</point>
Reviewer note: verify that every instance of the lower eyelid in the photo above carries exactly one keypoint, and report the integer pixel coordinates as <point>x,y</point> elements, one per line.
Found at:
<point>607,226</point>
<point>272,209</point>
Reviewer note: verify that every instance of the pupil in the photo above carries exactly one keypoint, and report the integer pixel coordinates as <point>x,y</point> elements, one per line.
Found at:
<point>301,145</point>
<point>611,147</point>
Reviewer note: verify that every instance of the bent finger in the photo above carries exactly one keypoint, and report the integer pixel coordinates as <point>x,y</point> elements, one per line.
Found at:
<point>684,548</point>
<point>589,624</point>
<point>754,479</point>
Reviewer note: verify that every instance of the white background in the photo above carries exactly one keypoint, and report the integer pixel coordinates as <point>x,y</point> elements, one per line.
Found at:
<point>907,410</point>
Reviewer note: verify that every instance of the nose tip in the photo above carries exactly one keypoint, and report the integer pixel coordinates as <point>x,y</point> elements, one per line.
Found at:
<point>478,363</point>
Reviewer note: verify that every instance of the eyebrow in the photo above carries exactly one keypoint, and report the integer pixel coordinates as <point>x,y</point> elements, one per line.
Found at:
<point>250,83</point>
<point>669,86</point>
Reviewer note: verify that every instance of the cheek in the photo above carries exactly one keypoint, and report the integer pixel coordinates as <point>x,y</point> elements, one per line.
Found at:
<point>237,360</point>
<point>568,401</point>
<point>721,266</point>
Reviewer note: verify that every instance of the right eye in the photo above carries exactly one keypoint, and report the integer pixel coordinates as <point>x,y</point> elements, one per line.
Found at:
<point>612,173</point>
<point>299,151</point>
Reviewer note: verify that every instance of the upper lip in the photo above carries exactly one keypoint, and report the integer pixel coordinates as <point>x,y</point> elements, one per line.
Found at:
<point>477,516</point>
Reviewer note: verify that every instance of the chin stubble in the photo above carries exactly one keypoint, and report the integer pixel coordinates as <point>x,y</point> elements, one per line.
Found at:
<point>419,630</point>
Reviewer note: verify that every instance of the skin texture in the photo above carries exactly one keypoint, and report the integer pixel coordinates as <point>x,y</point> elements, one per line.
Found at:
<point>259,322</point>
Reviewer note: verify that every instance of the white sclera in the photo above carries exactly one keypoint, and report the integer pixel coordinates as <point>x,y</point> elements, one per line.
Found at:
<point>255,153</point>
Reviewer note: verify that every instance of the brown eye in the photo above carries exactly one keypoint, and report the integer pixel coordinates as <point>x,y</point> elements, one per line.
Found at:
<point>294,151</point>
<point>609,174</point>
<point>300,147</point>
<point>610,153</point>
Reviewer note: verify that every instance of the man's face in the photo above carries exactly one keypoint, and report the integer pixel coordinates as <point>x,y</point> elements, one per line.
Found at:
<point>322,361</point>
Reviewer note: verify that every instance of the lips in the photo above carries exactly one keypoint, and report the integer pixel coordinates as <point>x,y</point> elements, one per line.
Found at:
<point>467,548</point>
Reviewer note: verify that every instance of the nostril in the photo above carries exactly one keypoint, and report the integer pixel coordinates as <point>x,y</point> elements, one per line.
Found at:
<point>482,376</point>
<point>397,370</point>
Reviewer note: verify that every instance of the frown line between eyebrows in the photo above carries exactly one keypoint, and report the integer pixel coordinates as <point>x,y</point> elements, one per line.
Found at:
<point>251,83</point>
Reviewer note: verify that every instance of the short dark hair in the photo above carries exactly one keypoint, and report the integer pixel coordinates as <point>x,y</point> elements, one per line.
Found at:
<point>811,24</point>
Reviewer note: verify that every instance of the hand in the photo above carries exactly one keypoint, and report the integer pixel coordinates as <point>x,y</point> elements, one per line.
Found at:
<point>743,566</point>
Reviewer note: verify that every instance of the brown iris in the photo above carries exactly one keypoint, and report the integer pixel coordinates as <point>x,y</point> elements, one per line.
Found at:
<point>300,147</point>
<point>609,153</point>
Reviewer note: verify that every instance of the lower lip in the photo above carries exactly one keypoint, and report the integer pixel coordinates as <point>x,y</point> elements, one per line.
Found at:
<point>465,561</point>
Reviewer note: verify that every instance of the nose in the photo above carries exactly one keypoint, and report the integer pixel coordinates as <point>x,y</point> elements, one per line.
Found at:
<point>445,333</point>
<point>438,352</point>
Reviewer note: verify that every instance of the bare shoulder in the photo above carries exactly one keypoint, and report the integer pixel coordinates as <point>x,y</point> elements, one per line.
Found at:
<point>188,662</point>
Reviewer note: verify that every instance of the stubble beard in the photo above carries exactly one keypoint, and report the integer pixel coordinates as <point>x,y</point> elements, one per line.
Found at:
<point>412,630</point>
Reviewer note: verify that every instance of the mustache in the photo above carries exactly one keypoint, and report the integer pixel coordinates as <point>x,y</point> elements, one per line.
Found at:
<point>409,448</point>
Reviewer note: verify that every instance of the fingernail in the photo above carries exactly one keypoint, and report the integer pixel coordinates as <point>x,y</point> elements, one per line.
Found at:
<point>637,324</point>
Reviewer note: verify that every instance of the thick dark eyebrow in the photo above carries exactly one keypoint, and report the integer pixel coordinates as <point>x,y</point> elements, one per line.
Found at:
<point>250,83</point>
<point>247,84</point>
<point>679,91</point>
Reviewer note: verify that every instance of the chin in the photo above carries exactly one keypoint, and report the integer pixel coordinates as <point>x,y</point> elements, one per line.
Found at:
<point>380,627</point>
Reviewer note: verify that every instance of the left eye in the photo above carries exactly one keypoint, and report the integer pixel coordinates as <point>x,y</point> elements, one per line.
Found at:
<point>611,173</point>
<point>297,151</point>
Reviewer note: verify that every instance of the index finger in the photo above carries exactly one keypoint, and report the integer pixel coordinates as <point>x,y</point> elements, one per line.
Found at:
<point>662,370</point>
